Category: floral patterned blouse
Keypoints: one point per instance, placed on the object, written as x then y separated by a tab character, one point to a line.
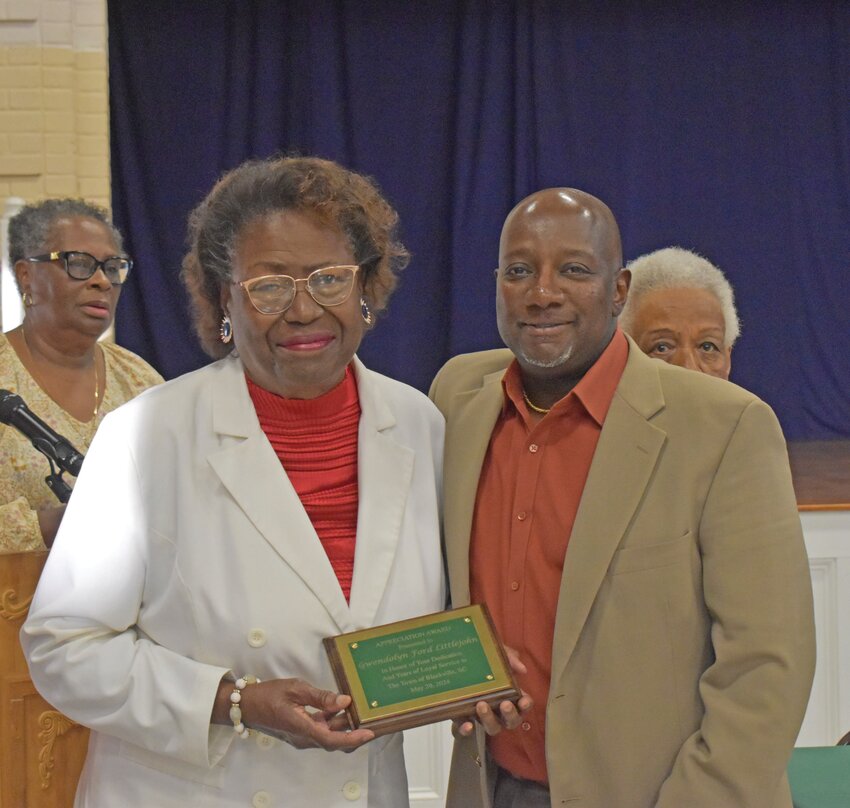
23	469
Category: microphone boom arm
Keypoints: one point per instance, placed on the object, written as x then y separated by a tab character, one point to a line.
59	452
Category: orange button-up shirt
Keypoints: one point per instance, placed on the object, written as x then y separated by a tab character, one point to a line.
528	495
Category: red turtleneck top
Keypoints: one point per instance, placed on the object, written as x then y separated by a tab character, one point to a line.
316	441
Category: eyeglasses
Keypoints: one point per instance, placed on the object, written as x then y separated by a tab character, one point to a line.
273	294
81	265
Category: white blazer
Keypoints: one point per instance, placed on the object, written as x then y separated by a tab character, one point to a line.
185	554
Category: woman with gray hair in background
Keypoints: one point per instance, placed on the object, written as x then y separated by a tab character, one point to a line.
69	266
681	309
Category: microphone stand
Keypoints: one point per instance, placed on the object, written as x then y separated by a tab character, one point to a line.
54	480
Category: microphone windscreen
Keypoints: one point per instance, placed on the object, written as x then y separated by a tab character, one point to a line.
9	402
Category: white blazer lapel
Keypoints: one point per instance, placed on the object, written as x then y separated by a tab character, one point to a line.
385	474
251	472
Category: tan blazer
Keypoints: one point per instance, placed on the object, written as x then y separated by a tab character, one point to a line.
684	650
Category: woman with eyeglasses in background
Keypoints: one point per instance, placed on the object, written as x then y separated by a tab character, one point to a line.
69	266
227	521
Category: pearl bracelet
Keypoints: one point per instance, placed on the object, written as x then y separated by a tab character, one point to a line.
235	698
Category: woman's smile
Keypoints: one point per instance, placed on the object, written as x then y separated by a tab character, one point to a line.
307	342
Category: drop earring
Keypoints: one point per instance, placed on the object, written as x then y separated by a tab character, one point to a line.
27	300
225	330
365	311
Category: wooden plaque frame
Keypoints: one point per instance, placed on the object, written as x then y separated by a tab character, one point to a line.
419	671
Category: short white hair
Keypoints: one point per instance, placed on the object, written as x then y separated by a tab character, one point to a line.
677	268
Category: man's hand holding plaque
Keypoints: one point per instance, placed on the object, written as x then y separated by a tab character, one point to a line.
448	665
507	715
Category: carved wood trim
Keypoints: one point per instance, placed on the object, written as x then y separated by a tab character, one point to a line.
11	608
53	725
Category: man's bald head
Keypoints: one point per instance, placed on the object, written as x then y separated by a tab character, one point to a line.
601	226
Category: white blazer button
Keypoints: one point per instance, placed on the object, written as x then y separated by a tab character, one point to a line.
256	638
351	790
262	799
264	741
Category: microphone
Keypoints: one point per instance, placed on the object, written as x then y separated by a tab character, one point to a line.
14	411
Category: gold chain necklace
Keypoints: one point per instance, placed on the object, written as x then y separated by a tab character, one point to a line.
96	385
534	407
94	363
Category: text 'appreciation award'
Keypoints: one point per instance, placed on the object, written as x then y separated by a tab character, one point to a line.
419	671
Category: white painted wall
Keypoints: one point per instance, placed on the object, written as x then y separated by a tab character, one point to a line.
827	536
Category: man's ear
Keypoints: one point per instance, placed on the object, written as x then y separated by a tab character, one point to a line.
622	281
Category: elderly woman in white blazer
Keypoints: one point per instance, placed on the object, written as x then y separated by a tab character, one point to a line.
193	559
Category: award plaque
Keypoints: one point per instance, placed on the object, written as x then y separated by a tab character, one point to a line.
419	671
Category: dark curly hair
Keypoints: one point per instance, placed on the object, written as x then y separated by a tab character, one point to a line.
257	188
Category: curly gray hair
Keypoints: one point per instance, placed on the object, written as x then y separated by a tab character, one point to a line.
29	228
677	268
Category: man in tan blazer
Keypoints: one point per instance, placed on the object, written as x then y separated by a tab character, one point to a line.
633	529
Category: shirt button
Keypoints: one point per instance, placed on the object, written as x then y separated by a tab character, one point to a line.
264	741
262	799
533	447
351	790
526	726
256	638
521	516
514	585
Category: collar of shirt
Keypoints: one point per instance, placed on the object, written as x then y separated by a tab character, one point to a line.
593	393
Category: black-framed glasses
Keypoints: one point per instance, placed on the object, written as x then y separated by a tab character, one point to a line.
328	286
81	265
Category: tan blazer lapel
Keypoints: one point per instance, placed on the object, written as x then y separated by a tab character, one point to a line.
472	419
249	469
627	452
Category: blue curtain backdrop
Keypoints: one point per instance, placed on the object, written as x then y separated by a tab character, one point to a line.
721	127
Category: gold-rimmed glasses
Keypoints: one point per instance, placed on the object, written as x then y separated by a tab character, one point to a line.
328	286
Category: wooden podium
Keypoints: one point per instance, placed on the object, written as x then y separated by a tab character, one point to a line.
41	751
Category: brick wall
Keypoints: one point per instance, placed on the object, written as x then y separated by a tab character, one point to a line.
54	125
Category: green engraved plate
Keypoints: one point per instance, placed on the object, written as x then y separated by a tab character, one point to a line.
409	665
422	670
